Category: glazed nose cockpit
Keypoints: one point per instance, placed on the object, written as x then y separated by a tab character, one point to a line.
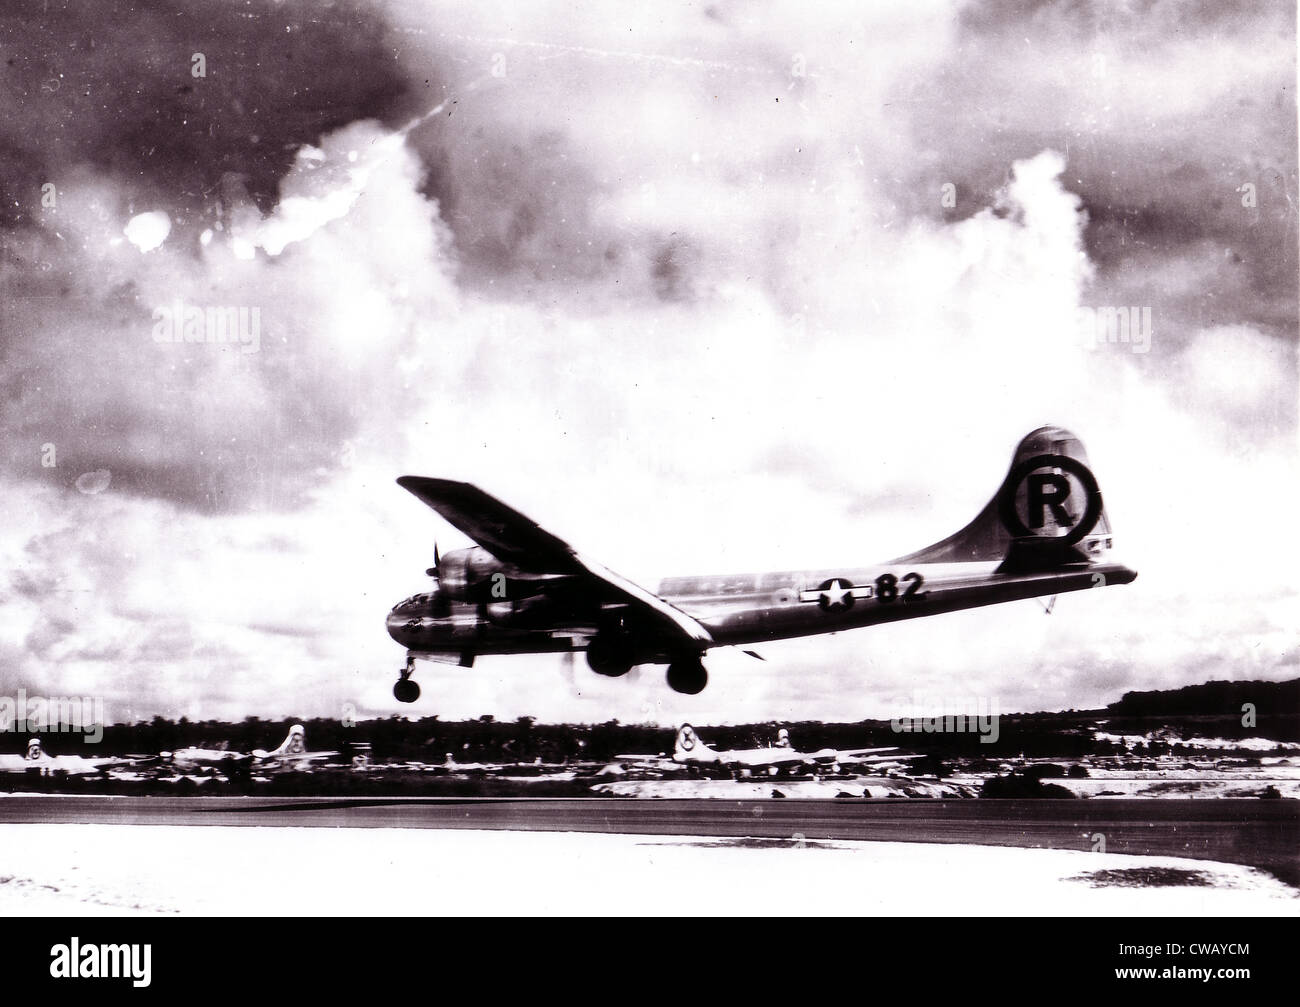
405	615
415	603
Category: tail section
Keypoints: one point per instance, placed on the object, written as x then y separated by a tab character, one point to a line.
295	743
1047	513
688	746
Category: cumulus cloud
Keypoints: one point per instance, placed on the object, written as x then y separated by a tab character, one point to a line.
686	290
148	230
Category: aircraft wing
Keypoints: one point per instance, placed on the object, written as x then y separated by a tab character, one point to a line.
826	756
669	618
513	538
497	527
764	757
299	757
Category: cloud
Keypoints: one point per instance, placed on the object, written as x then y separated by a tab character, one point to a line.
687	292
94	482
148	230
214	426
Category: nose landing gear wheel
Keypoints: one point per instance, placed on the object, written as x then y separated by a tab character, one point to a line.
406	691
688	676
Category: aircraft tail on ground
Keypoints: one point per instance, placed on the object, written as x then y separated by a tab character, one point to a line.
688	745
1047	513
295	743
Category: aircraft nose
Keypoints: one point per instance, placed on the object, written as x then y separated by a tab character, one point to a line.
395	623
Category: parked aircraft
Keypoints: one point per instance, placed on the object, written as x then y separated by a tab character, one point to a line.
690	750
292	752
37	759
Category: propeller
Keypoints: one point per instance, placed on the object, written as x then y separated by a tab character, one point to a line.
441	606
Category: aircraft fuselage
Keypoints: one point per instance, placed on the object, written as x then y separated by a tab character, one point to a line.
737	609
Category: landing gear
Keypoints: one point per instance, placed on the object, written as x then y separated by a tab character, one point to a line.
611	654
687	675
406	690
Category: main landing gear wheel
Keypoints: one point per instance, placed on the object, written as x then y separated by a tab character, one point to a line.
610	654
406	690
688	675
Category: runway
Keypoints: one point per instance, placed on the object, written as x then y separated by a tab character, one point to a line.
1254	833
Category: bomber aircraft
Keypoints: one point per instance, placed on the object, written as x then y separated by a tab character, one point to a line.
292	752
37	759
522	590
690	750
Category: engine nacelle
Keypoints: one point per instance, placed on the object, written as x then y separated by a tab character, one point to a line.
467	574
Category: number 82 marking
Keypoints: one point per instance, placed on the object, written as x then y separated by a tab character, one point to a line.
887	588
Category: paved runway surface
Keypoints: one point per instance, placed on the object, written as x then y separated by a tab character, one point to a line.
1252	832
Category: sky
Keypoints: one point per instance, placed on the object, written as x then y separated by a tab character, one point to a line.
700	288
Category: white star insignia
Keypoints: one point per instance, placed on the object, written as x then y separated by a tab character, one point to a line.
837	594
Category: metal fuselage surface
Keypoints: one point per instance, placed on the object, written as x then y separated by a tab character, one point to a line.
741	609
